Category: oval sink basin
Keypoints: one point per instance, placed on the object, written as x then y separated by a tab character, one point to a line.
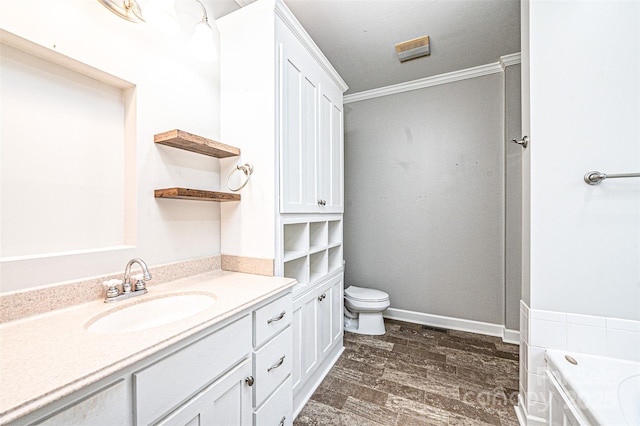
151	313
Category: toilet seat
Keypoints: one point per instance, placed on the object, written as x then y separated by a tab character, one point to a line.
360	294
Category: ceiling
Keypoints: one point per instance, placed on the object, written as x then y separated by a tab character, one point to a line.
359	36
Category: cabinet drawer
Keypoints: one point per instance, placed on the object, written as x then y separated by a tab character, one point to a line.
272	318
272	365
278	409
161	387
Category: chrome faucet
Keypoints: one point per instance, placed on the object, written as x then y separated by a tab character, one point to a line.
128	290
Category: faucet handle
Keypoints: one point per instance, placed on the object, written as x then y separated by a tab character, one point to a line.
112	287
140	284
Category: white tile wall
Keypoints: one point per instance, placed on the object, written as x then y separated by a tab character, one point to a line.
613	337
621	324
535	359
587	339
541	330
537	387
623	344
548	334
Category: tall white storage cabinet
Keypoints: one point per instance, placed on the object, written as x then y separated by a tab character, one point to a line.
281	101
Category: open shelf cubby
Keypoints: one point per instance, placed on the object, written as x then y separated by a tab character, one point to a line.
317	236
297	269
318	265
335	232
311	249
335	258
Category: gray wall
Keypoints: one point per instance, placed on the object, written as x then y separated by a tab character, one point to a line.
513	199
424	198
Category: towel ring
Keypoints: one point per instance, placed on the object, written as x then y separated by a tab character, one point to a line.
247	169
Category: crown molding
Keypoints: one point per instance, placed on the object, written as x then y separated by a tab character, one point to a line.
508	60
422	83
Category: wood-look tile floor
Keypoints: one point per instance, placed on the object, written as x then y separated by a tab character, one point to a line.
415	375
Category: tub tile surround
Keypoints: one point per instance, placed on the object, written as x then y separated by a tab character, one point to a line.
38	300
40	364
540	330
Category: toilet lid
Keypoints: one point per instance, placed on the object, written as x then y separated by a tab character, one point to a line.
365	294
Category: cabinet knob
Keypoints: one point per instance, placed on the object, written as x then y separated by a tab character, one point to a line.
249	380
322	297
322	202
282	421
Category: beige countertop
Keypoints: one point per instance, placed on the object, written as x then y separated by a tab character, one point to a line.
46	357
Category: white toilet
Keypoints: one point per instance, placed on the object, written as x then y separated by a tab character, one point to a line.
363	310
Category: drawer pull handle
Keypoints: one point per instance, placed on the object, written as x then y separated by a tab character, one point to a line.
278	318
322	297
276	365
249	380
282	421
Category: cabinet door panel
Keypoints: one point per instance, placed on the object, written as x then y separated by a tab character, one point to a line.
336	168
324	151
309	144
299	139
305	338
227	401
337	315
292	152
329	314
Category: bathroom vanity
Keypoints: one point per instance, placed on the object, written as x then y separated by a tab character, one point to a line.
230	363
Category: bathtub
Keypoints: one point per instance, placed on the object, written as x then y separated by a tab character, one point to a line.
595	391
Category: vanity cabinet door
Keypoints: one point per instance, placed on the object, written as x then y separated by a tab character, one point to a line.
227	401
329	314
305	338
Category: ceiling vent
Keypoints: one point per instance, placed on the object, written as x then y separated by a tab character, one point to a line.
413	49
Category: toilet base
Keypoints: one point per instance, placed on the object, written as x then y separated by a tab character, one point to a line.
371	323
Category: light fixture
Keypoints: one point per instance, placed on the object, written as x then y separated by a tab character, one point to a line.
202	45
162	15
126	9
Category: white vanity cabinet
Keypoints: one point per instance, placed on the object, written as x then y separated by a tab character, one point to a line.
237	372
318	331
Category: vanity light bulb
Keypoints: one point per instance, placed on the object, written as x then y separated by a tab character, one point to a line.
202	45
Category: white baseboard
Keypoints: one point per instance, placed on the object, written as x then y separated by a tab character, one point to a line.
524	419
509	336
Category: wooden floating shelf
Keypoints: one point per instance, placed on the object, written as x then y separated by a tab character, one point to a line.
194	143
195	194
